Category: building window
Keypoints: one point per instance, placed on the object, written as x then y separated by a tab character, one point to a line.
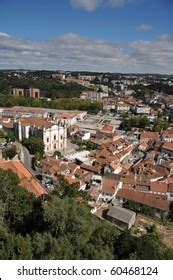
47	148
54	137
61	137
47	139
54	146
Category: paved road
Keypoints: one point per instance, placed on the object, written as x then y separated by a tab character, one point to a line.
26	159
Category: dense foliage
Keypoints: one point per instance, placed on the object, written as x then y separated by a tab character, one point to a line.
34	145
61	227
49	87
137	121
160	125
61	103
9	152
63	95
141	208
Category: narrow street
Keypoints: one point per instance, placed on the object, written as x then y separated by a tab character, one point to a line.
26	158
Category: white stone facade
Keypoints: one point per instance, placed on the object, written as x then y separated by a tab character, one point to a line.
54	136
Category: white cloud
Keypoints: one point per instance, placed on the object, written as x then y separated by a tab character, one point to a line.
144	28
92	5
89	5
74	52
4	34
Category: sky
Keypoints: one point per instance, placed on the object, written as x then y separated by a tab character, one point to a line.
128	36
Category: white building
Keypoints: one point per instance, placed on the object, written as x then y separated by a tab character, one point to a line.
54	136
122	107
142	109
109	188
94	95
84	135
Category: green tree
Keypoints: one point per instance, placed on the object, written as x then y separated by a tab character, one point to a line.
160	125
61	227
2	133
57	153
9	153
10	137
34	145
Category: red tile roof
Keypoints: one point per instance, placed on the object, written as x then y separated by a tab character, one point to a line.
108	128
168	133
38	122
159	187
168	146
27	181
89	168
170	188
149	135
109	185
152	200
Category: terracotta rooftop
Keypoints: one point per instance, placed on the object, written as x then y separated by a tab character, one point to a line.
71	179
66	115
168	146
27	181
156	201
108	128
149	135
159	187
168	133
7	124
89	168
115	165
38	122
170	188
133	180
55	166
109	185
106	134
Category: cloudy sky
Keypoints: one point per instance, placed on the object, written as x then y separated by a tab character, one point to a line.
96	35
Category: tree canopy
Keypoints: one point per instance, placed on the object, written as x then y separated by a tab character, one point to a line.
62	228
34	145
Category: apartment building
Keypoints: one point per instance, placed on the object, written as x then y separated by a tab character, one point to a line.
30	92
94	95
142	109
17	92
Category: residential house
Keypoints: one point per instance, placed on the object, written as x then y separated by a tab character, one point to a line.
167	135
167	148
146	136
109	188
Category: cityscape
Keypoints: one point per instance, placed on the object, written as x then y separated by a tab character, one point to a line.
86	137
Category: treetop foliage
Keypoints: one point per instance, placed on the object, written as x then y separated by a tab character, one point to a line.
61	228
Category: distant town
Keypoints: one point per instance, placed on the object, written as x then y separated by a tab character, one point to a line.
109	136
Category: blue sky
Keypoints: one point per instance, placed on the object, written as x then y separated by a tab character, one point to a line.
96	35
